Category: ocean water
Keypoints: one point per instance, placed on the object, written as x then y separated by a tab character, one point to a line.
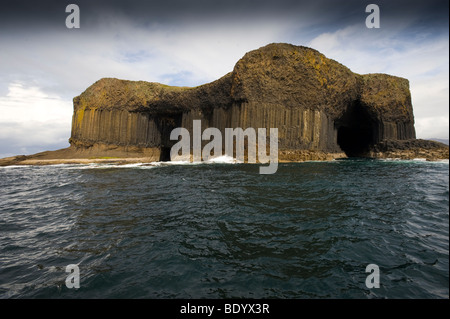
174	230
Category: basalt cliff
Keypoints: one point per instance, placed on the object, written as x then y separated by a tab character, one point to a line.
322	111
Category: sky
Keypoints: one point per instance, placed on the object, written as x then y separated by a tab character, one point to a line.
44	64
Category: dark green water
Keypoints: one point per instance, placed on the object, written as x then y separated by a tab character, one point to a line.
224	231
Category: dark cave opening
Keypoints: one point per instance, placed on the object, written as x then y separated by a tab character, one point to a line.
354	141
356	131
165	154
165	126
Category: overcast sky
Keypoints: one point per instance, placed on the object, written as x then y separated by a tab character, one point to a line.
43	64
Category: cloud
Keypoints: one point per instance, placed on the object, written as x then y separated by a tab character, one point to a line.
31	119
30	104
432	127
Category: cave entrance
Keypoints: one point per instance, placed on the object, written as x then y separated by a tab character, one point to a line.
165	154
165	126
355	131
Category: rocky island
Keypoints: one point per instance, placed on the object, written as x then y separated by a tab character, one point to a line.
321	108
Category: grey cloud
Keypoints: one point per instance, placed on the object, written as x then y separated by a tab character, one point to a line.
45	14
23	139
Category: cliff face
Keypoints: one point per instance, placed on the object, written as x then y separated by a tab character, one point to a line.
321	109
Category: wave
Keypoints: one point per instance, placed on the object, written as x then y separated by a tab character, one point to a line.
224	159
415	160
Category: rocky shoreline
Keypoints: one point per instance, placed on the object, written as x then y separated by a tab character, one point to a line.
410	149
406	150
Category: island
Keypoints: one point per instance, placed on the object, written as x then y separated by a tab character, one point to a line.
322	110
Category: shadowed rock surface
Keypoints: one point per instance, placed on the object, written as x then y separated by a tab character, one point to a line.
322	110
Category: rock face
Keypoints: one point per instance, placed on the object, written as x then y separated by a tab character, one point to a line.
322	109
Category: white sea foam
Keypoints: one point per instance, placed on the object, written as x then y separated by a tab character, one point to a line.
11	166
224	159
444	161
216	160
415	160
179	163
